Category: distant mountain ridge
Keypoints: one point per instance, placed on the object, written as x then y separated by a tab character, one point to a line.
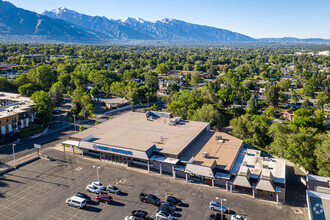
139	29
19	22
67	26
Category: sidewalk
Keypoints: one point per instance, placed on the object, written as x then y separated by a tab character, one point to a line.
4	168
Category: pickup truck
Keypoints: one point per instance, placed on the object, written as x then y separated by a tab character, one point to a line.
149	198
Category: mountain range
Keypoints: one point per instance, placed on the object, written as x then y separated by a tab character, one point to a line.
68	26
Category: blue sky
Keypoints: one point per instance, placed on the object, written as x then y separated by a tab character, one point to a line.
256	18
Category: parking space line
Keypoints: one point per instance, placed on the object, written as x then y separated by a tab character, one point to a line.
55	217
27	199
6	207
6	216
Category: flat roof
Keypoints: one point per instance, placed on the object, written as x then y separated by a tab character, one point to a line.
318	205
258	164
17	104
223	152
133	131
319	178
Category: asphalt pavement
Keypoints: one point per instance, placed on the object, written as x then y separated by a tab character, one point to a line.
39	190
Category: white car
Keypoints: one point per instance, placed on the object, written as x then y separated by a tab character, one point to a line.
99	185
131	218
93	189
237	217
163	215
217	206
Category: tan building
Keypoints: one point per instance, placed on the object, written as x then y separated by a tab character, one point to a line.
187	150
16	112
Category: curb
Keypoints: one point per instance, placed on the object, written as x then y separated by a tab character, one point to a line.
19	165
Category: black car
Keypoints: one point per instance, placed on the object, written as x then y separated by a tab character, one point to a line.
166	210
140	214
173	200
84	196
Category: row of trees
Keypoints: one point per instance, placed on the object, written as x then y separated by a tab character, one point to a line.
303	141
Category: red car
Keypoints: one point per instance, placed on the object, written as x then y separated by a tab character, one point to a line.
104	198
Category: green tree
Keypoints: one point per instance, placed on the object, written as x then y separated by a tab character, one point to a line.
151	82
252	105
43	76
43	106
270	112
285	85
56	92
27	89
208	113
173	87
195	78
162	68
252	129
322	154
272	95
22	80
227	94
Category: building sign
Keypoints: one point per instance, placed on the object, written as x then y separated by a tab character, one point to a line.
113	150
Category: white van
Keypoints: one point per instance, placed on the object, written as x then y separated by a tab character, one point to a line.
76	201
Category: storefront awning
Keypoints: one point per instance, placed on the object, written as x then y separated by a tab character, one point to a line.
225	176
71	142
164	159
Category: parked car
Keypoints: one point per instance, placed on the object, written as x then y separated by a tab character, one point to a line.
104	198
84	196
168	205
237	217
149	198
217	206
174	200
132	218
99	185
140	214
93	189
163	215
113	189
165	209
76	201
216	216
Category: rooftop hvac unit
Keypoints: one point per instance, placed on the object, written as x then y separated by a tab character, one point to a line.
244	163
206	154
175	120
218	137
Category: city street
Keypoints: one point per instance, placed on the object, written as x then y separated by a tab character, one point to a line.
39	190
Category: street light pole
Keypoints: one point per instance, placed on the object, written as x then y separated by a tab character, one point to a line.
13	145
74	122
221	199
97	172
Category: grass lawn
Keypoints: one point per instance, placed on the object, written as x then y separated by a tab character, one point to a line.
33	129
25	132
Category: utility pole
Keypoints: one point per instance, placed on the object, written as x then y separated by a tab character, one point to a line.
97	172
13	145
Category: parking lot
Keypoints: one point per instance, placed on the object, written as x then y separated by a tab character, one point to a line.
38	191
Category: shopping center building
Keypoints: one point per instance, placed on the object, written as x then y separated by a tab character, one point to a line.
159	143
